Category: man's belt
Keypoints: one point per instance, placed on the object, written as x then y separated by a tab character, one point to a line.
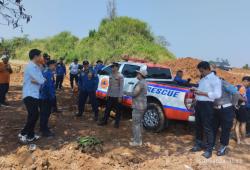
223	106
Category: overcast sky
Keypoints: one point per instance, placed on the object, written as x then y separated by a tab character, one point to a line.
204	29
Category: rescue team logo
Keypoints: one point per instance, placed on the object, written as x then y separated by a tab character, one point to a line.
104	83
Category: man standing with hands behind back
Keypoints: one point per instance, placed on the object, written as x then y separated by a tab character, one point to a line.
5	71
210	88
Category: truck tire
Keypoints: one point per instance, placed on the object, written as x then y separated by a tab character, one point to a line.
154	118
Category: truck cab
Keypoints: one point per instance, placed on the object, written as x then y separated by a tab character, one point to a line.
166	100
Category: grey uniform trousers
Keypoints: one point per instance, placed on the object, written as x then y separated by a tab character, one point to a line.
137	125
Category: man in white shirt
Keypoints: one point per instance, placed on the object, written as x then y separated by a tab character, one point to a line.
74	70
209	89
33	79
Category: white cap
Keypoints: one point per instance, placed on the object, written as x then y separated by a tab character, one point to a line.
143	72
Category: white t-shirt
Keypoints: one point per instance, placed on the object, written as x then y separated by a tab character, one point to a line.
73	68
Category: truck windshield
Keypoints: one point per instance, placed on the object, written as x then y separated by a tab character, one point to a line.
159	73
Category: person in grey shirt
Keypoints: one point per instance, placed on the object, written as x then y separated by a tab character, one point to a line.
114	96
224	115
139	105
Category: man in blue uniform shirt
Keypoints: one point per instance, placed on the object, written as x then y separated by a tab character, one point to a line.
47	95
87	84
248	112
60	73
179	78
99	66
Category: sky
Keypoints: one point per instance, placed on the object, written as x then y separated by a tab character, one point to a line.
204	29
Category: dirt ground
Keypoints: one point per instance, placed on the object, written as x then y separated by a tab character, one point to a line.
166	150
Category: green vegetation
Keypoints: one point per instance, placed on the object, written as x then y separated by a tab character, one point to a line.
113	39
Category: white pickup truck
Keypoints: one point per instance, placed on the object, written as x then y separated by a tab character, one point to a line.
166	99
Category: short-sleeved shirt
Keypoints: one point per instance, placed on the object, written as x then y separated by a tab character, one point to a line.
115	88
4	74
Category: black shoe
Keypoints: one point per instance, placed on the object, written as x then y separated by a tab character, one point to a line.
48	134
116	126
222	150
207	154
196	148
102	123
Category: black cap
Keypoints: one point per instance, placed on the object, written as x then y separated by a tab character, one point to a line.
75	60
51	62
114	64
99	61
85	62
46	56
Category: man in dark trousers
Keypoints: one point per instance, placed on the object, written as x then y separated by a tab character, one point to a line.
60	73
5	71
33	79
47	95
87	84
209	89
74	70
224	114
114	96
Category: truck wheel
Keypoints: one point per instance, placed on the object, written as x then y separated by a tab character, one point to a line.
154	118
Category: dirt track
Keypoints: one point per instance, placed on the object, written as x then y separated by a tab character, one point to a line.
166	150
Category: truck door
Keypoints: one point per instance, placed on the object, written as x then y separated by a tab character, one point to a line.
129	73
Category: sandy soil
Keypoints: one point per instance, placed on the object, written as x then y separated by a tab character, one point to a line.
166	150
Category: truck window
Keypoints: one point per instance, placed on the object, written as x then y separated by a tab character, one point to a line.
129	71
159	73
106	71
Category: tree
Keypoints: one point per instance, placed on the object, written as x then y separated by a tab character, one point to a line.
246	67
12	12
111	9
161	40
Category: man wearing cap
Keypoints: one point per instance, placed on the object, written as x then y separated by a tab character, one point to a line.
99	66
60	73
5	71
87	84
32	82
47	95
114	96
139	105
74	70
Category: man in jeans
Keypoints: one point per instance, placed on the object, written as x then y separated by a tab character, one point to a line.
209	89
5	71
33	79
114	95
